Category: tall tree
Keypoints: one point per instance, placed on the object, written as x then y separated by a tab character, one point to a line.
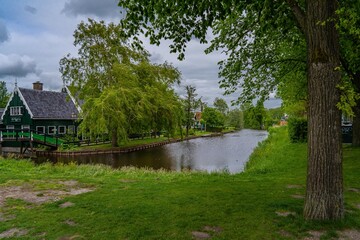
4	95
121	90
213	117
241	23
190	105
221	105
235	118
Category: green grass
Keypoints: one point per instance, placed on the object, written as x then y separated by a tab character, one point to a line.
144	204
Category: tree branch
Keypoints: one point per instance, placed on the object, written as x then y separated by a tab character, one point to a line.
299	14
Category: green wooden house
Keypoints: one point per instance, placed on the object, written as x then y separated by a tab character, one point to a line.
42	112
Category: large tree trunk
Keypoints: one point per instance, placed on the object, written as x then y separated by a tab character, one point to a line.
114	138
324	192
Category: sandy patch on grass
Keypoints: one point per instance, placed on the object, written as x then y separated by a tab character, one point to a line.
28	193
206	232
349	234
14	232
314	235
354	190
298	196
285	213
294	186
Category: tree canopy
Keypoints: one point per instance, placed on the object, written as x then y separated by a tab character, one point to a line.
122	91
248	32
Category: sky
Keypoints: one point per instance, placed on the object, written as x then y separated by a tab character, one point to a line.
36	34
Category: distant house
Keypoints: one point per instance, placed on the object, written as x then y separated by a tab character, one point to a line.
45	112
197	120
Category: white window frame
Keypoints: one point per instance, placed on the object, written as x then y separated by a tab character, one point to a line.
15	111
25	127
54	131
10	127
43	130
64	129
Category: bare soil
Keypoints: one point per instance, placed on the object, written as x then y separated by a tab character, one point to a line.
28	193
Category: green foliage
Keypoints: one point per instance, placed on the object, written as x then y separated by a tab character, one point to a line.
191	103
221	105
123	92
254	116
213	117
297	129
235	118
4	95
349	97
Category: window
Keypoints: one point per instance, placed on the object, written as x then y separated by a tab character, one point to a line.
40	129
62	129
10	127
15	111
51	130
10	130
25	127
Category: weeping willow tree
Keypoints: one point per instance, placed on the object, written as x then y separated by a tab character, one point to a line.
122	92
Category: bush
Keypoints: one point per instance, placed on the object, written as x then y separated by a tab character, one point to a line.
297	129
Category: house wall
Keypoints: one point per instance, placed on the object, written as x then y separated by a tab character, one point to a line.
19	120
24	119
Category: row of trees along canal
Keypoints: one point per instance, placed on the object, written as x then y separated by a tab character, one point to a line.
272	44
124	94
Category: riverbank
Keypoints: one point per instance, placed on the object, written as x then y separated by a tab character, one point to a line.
97	202
131	146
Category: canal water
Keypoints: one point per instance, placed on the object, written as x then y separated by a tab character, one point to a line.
229	152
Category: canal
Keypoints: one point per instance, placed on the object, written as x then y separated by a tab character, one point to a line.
229	152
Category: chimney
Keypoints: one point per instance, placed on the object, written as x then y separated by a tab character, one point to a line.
38	86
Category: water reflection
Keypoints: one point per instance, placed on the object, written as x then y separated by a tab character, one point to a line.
229	152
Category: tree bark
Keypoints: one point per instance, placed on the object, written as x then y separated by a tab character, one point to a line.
114	138
324	192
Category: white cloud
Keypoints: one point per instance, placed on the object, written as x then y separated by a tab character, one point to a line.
17	66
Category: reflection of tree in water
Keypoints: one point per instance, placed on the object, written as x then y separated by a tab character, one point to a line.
210	154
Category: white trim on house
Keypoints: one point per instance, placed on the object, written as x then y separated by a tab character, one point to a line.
51	133
73	100
25	103
16	111
22	99
61	132
43	129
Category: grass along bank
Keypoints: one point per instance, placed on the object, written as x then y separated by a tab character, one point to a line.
264	202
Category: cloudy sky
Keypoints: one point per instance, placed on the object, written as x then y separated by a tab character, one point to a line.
36	34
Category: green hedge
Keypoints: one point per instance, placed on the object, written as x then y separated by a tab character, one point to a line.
297	129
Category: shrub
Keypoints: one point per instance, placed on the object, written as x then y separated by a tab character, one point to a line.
297	129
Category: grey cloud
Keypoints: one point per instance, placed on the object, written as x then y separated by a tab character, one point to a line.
30	9
4	34
17	66
104	8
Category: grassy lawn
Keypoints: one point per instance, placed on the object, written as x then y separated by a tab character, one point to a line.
265	202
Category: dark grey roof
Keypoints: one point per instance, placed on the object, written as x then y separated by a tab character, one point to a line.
49	105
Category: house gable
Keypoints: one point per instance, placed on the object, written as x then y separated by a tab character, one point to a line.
16	112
